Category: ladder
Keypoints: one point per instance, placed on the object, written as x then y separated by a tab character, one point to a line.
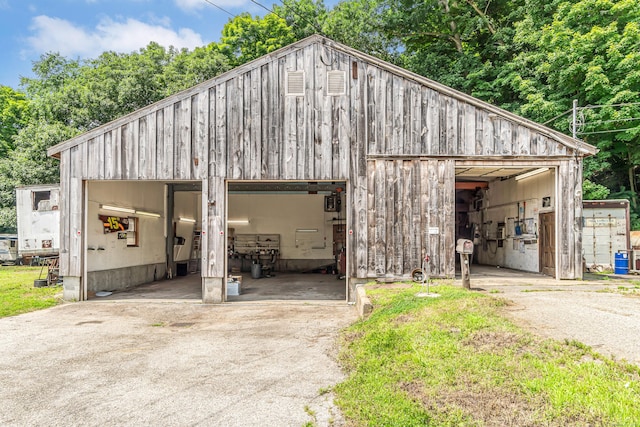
196	253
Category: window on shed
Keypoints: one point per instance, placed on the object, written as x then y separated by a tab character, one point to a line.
295	83
41	200
336	82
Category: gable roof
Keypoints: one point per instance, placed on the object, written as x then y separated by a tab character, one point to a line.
571	143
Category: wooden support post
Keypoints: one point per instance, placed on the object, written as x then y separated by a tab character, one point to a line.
464	266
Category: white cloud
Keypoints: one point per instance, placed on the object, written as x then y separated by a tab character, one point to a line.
188	5
58	35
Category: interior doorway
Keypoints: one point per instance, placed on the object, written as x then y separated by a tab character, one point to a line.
548	244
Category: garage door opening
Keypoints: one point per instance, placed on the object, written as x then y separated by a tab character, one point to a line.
286	240
143	240
504	209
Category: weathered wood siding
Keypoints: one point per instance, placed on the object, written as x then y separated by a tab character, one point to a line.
411	209
569	219
391	136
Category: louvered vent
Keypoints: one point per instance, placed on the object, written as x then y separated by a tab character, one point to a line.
336	82
295	83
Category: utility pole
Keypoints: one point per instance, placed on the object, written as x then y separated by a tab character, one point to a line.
574	125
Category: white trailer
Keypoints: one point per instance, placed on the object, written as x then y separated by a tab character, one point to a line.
38	220
8	248
605	232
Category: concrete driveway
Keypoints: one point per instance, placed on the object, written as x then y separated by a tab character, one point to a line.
600	311
106	363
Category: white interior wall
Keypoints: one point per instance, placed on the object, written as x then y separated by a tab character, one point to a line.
187	204
283	214
106	251
500	204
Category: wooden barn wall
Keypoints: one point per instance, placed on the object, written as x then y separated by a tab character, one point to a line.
408	201
569	219
242	126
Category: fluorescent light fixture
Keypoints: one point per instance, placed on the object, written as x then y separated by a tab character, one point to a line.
306	230
183	219
531	173
117	209
145	213
238	221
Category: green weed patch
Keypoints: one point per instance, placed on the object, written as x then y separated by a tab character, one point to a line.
18	295
457	360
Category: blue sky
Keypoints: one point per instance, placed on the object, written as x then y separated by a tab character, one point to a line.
82	29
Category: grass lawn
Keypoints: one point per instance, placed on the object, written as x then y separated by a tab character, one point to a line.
18	295
457	360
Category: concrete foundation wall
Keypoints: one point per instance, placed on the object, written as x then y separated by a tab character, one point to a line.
71	288
282	265
213	290
123	278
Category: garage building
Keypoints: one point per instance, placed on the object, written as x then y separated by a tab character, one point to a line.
314	151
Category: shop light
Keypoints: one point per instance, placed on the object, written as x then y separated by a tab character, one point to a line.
190	220
117	209
145	213
238	221
531	173
306	230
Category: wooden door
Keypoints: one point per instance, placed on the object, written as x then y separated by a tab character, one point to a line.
548	244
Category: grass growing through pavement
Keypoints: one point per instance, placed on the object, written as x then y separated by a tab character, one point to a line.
456	360
18	295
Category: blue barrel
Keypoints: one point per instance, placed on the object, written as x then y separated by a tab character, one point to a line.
621	263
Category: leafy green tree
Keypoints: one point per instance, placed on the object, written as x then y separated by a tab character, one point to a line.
29	164
188	69
14	115
245	38
305	17
363	25
589	52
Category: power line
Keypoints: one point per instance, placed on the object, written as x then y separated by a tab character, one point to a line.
607	131
599	122
274	12
314	25
626	104
224	10
558	116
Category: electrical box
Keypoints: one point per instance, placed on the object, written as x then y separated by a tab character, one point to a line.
464	246
332	203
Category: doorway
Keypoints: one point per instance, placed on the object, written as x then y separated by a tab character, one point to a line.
548	243
286	240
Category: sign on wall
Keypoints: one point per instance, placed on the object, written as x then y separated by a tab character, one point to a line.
114	224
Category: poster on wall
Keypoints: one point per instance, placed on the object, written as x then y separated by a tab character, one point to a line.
114	224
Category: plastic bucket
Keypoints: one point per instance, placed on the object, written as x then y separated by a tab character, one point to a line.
621	263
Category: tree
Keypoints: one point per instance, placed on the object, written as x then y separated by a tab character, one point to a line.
245	38
588	52
305	17
29	164
14	115
362	24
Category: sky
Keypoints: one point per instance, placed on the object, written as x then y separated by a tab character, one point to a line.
81	29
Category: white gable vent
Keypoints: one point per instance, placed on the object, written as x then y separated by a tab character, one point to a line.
336	82
295	83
